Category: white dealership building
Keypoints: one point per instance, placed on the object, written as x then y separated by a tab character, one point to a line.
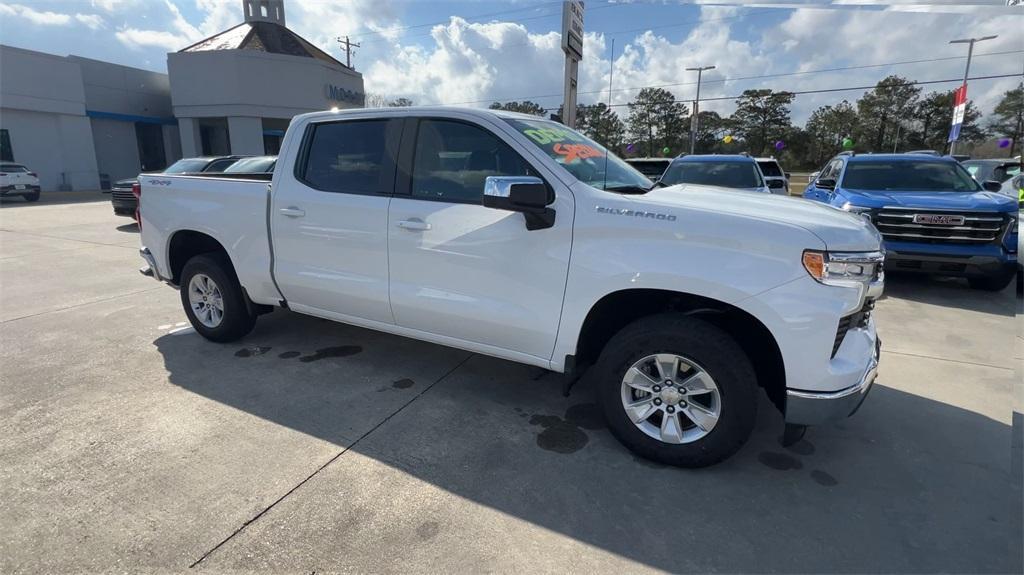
81	123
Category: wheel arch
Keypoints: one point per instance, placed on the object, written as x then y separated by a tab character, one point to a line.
618	309
186	244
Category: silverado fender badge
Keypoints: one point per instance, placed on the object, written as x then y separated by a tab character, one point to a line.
636	213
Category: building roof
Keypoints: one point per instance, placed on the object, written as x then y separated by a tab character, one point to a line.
264	37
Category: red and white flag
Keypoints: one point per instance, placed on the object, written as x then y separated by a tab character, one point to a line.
959	109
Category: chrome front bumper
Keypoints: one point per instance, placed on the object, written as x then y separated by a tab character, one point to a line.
813	407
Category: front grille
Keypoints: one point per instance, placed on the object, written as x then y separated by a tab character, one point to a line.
122	194
897	224
856	319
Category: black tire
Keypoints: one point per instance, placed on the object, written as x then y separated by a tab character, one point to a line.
992	283
33	197
237	321
697	341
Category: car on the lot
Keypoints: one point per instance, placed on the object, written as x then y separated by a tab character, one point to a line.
253	165
653	168
774	176
996	170
516	237
732	171
124	201
17	180
934	216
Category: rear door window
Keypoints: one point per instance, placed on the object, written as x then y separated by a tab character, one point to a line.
12	168
349	157
219	165
770	169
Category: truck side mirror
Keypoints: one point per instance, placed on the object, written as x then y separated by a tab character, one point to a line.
788	175
992	186
528	195
776	184
826	184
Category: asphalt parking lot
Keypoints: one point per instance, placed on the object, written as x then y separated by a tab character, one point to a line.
128	443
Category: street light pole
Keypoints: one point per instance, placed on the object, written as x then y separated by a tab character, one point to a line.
967	70
694	120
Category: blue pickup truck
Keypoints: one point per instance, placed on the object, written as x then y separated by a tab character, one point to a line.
935	218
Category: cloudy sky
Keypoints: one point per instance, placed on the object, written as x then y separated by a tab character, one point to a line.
472	53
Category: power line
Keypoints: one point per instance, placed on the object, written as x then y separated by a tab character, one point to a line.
743	78
850	89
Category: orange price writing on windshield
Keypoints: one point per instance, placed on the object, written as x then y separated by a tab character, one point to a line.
573	152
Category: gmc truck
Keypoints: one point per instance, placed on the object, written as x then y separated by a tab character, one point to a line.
516	237
935	218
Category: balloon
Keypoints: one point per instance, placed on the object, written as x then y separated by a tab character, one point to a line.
847	143
727	139
665	150
779	145
629	148
1004	143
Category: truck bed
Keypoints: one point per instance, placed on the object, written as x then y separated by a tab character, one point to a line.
231	210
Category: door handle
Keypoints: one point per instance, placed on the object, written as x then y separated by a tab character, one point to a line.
413	225
293	212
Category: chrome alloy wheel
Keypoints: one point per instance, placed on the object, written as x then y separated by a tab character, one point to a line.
671	398
206	300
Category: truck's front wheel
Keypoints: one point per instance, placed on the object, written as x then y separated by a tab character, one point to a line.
677	390
213	299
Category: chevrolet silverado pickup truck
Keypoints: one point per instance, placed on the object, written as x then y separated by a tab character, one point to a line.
935	218
516	237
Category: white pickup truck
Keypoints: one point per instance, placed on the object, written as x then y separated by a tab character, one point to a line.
516	237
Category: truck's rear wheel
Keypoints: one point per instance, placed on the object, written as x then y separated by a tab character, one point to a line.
677	390
213	299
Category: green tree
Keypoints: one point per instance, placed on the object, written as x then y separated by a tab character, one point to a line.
934	114
1007	120
761	117
892	103
401	103
710	130
656	121
826	128
602	125
524	107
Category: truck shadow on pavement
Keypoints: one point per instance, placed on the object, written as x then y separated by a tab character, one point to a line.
908	484
949	292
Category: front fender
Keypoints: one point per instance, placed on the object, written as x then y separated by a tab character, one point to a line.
721	257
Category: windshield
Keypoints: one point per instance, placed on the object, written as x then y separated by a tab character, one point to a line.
723	174
908	176
585	159
770	169
251	166
187	165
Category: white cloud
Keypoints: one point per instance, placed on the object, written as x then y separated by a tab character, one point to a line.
135	39
111	5
49	18
93	21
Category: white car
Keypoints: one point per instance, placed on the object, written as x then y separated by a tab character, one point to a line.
776	179
515	237
17	180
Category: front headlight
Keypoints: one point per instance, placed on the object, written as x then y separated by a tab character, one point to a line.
844	269
859	210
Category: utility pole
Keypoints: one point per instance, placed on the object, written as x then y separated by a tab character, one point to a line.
694	121
349	52
963	87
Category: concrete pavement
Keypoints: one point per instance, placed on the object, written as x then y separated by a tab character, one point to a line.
128	443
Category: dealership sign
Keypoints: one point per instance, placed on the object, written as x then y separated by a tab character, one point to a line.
572	28
344	96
